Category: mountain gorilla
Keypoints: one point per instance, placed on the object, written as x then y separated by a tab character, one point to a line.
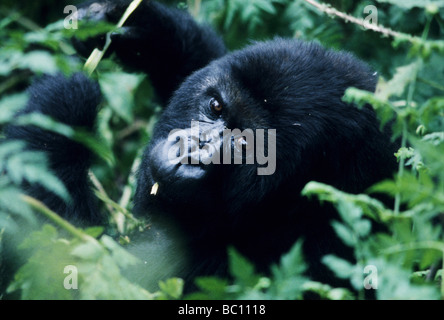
284	97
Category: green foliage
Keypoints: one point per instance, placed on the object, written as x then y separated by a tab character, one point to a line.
402	238
98	264
409	4
17	166
286	282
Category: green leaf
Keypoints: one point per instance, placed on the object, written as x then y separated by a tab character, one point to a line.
345	234
9	105
342	268
45	237
42	276
327	292
119	89
39	61
397	85
172	287
292	263
87	29
11	203
94	232
288	276
88	251
394	284
212	287
21	164
241	269
429	257
122	257
409	4
77	134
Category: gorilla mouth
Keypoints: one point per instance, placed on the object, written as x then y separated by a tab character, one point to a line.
190	171
172	174
187	156
195	149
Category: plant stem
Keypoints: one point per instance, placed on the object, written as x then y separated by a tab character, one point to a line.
431	83
128	190
14	16
346	17
97	55
423	245
101	191
409	102
401	166
55	218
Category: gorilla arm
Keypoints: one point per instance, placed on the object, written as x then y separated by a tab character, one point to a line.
164	42
73	101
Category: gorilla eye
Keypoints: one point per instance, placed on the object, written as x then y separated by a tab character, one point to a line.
215	105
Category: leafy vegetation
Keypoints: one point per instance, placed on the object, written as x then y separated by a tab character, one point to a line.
405	257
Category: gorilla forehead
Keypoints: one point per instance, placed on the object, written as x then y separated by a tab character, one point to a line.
280	81
294	69
264	67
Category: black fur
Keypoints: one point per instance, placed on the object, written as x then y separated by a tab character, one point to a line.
287	85
295	88
73	101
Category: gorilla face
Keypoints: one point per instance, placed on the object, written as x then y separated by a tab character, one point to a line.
212	137
259	124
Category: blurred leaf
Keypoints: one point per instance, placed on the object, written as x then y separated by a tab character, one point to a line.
9	105
172	287
212	288
327	292
119	91
409	4
394	284
241	269
346	234
42	276
288	276
77	134
120	255
30	166
397	85
39	61
88	251
292	263
342	268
